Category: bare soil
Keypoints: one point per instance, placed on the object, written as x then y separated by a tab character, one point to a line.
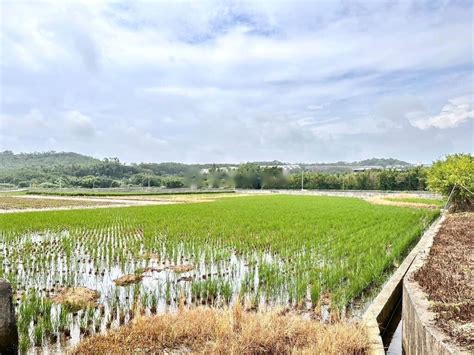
448	278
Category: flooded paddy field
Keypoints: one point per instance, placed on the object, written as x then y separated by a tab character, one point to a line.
80	272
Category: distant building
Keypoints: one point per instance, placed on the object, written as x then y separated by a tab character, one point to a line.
224	168
378	167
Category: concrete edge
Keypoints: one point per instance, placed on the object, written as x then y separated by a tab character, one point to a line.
8	328
419	334
380	310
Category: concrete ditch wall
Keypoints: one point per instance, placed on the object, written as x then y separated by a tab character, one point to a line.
8	330
378	315
419	335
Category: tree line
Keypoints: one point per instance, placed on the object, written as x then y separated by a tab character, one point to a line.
110	173
53	170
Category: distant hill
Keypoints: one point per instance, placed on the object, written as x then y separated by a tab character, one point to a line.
382	162
67	169
10	160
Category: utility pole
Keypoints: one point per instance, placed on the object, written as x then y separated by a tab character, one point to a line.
148	182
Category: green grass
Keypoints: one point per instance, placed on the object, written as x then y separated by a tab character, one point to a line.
12	193
424	201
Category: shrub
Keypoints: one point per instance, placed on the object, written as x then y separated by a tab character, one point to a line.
174	183
24	184
455	172
48	185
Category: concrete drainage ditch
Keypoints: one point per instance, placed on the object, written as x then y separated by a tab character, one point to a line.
384	314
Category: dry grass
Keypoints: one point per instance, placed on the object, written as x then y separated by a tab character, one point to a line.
76	298
447	278
128	279
177	198
229	331
21	203
403	201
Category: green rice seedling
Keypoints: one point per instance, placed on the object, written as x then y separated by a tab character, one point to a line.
144	297
63	319
38	333
315	293
225	290
24	343
153	303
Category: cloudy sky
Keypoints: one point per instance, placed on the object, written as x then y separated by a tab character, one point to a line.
220	81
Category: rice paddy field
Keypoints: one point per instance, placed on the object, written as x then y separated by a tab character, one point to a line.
80	272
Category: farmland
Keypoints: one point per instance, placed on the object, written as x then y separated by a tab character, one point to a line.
297	252
423	201
20	203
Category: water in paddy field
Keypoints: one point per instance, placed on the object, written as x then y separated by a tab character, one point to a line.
41	266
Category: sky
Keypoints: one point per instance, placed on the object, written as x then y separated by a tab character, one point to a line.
224	81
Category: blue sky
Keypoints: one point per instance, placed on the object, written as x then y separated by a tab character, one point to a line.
214	81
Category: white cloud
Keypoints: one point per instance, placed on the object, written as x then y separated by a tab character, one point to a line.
248	80
339	128
315	107
456	112
191	92
80	124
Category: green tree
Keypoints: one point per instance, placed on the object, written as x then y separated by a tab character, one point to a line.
248	176
273	178
455	172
